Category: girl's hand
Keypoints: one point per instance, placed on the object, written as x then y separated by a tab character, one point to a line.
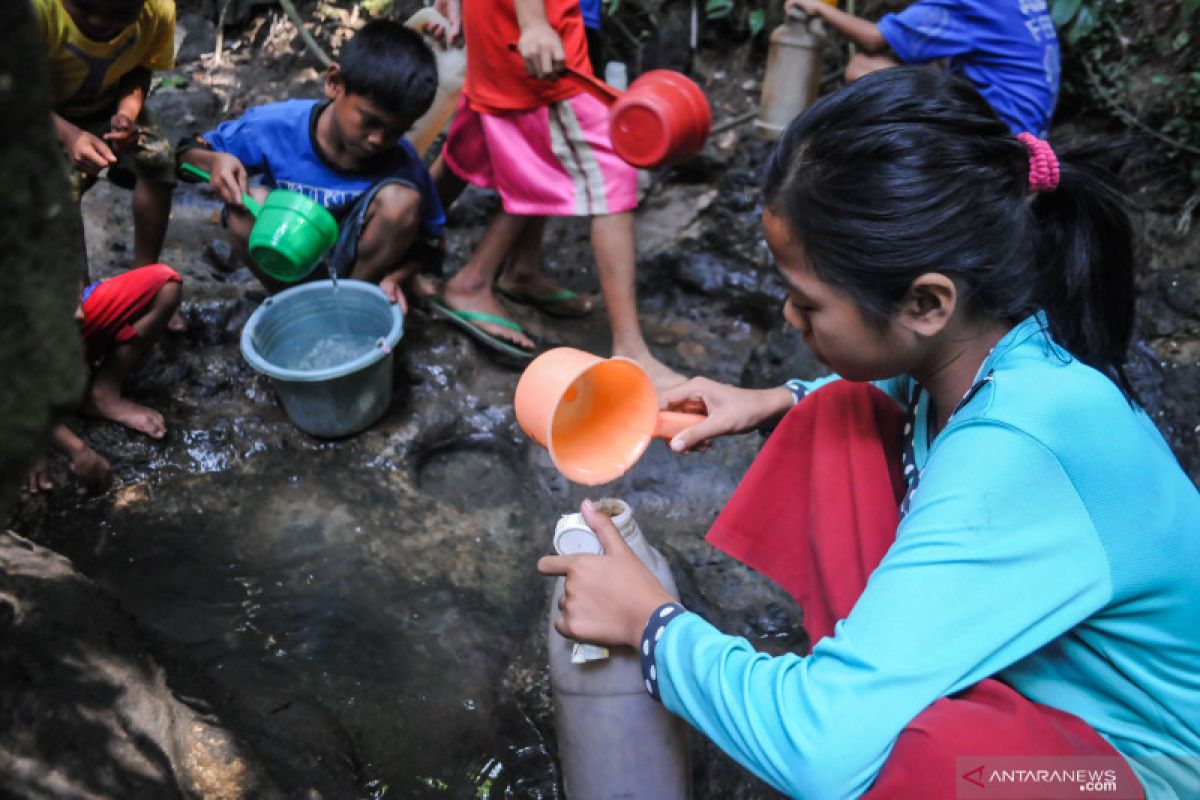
229	178
543	51
729	409
607	599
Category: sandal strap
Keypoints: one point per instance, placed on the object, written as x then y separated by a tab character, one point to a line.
483	316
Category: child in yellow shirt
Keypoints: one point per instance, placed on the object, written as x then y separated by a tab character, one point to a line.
101	54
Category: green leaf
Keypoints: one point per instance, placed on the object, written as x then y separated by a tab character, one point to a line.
1085	23
757	20
1160	80
1186	9
1062	11
1181	40
717	9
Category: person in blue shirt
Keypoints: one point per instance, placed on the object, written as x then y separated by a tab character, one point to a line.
347	153
1048	541
1007	48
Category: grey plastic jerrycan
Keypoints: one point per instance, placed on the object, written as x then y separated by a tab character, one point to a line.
793	77
614	740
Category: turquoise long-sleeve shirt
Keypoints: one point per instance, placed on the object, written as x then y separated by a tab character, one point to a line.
1052	541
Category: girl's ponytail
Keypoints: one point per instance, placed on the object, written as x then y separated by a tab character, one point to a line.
1085	266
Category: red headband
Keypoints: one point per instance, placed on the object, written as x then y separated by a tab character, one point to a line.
1043	164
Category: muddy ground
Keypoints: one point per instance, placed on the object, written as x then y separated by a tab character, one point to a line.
361	618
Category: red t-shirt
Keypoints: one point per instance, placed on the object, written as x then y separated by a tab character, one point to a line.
496	78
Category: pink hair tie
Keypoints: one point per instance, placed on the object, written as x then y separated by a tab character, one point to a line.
1043	164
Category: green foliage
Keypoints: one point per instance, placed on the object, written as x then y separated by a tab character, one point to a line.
1136	60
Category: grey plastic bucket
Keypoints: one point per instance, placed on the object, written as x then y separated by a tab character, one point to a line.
338	400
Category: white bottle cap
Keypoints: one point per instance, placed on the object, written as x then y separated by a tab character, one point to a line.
616	76
572	536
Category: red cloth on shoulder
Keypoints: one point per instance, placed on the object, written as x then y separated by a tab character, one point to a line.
817	509
816	512
496	78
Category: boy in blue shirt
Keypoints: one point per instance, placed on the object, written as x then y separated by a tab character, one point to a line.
348	154
1007	48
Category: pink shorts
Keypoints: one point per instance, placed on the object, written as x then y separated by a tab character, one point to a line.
552	161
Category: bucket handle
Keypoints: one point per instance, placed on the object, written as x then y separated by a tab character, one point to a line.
589	83
252	205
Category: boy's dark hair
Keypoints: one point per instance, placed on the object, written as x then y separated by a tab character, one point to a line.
909	170
392	66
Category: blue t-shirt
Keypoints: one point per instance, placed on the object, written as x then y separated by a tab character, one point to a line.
1007	48
278	141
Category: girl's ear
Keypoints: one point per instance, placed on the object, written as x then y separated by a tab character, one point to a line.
929	304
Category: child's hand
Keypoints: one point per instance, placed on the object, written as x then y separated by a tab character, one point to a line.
607	599
729	409
452	11
391	287
543	51
229	178
810	7
92	470
88	152
122	131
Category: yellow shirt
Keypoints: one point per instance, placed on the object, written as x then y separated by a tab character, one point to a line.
83	73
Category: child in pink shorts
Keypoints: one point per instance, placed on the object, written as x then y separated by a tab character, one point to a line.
543	146
119	318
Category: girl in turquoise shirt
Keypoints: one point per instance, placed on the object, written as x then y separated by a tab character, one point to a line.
1048	545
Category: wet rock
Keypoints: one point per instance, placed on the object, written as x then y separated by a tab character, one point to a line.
186	111
781	357
195	35
86	711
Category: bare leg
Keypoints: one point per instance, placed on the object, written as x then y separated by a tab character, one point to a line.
104	394
523	274
449	186
151	213
471	287
240	223
393	219
863	64
613	247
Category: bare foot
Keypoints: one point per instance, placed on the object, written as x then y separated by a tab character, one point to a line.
660	374
485	302
539	289
128	413
38	479
177	324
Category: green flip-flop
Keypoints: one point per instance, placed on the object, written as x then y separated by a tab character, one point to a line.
467	322
552	304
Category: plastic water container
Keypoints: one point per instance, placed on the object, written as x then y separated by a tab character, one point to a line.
616	75
793	77
452	73
614	740
336	400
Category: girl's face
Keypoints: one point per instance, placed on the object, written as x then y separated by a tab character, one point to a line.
835	328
